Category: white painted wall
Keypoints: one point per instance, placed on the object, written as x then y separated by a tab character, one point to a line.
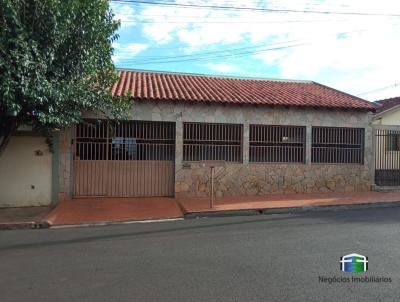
391	117
25	178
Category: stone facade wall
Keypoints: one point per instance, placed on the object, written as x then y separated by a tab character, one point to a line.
251	178
259	179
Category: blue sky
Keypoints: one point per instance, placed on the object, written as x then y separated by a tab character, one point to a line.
358	54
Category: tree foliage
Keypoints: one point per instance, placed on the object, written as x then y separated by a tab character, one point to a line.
55	62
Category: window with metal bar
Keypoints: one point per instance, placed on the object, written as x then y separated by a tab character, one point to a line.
127	140
277	144
90	140
337	145
205	141
393	140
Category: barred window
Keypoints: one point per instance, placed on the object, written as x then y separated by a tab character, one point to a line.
393	140
90	140
204	141
128	140
274	144
337	145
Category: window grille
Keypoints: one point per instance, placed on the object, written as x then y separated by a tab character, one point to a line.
337	145
205	141
274	144
127	140
393	140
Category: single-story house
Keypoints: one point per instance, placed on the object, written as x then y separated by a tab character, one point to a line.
263	135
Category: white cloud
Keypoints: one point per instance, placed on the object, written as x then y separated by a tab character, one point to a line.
349	52
124	13
128	51
135	48
195	27
162	23
366	58
223	67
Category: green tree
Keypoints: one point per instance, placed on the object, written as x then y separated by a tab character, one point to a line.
55	61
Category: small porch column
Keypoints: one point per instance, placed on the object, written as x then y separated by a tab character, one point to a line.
178	145
246	135
65	164
308	144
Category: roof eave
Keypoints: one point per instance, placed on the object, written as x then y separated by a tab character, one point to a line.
394	108
139	99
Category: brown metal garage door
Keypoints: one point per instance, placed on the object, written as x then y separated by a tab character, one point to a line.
124	159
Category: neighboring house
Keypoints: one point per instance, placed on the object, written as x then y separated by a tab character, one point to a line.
387	112
268	136
386	121
26	171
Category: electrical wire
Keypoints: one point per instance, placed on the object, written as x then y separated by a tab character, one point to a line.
228	22
219	51
235	52
380	89
225	7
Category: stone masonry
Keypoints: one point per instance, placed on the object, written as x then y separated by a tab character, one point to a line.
251	178
256	179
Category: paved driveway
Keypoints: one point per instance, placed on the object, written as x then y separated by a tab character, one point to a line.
102	209
258	258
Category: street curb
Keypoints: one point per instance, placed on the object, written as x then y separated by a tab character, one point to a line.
191	215
290	210
24	225
109	223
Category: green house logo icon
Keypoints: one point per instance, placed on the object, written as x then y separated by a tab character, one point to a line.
354	263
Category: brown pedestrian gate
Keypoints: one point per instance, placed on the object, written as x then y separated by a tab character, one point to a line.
124	159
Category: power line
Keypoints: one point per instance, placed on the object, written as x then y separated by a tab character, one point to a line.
212	55
380	89
227	22
223	17
177	59
318	5
192	16
216	52
201	57
216	57
223	7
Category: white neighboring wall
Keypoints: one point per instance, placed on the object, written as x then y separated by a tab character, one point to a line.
25	172
389	117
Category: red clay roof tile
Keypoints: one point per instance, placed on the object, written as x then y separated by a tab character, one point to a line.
163	86
387	104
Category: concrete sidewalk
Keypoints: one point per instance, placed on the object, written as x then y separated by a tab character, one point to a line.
285	203
112	210
107	210
23	218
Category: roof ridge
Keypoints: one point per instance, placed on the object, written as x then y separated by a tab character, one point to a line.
388	99
215	75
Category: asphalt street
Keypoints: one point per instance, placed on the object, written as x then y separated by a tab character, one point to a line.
253	258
